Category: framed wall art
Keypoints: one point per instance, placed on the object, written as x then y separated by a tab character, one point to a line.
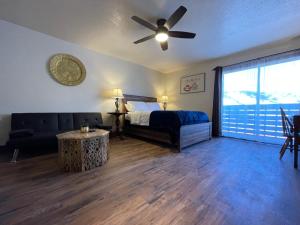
192	83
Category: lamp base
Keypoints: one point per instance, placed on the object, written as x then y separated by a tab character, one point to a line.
165	106
117	104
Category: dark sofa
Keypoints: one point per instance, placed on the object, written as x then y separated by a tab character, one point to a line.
38	130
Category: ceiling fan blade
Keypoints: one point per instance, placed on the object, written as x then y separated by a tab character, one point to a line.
181	34
176	16
144	23
144	39
164	45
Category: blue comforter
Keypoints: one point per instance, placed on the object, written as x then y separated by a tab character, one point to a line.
173	120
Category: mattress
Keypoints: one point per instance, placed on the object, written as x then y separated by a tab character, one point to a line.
163	119
166	121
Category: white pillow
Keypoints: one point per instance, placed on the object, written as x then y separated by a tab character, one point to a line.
129	107
153	106
137	106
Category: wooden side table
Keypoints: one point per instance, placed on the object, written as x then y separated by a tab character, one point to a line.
82	151
117	122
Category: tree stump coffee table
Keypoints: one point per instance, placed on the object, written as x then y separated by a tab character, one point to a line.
82	151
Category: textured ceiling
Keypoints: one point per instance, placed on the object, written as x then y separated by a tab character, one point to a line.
223	27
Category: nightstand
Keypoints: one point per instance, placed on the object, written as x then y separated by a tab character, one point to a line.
117	122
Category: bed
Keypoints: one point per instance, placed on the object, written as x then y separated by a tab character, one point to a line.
179	129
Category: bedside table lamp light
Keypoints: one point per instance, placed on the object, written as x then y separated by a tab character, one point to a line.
164	100
117	94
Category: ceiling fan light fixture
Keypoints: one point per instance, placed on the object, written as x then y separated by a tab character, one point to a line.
162	28
161	37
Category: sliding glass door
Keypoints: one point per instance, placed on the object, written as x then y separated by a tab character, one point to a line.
253	93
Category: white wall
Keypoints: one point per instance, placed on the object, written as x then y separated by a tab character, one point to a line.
26	86
204	101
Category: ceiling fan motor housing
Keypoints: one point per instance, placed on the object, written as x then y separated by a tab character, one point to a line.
161	26
162	30
161	22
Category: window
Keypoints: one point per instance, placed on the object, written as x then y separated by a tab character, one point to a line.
254	91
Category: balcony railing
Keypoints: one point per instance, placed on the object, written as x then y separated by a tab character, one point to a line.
256	122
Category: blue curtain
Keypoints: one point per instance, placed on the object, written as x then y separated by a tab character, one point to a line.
216	114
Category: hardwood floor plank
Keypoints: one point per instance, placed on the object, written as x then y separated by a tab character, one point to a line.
223	181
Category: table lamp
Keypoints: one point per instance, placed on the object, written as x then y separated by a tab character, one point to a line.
117	94
164	100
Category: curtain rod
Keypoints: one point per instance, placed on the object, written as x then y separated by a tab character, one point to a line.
260	58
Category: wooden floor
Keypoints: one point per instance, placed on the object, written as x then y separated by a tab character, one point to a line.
223	181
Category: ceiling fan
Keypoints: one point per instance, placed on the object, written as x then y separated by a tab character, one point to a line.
162	30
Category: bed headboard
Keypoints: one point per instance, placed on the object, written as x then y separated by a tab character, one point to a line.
138	98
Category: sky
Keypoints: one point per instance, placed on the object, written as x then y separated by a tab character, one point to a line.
279	84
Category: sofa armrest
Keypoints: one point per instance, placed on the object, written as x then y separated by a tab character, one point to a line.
21	133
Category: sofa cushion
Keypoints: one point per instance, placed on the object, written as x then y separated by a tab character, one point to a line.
65	121
39	122
43	140
21	133
104	127
91	119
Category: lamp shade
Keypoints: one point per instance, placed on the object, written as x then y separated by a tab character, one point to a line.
164	98
117	93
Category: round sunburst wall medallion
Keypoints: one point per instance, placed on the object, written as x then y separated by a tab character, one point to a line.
67	69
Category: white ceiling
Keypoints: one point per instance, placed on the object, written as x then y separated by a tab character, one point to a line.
223	27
